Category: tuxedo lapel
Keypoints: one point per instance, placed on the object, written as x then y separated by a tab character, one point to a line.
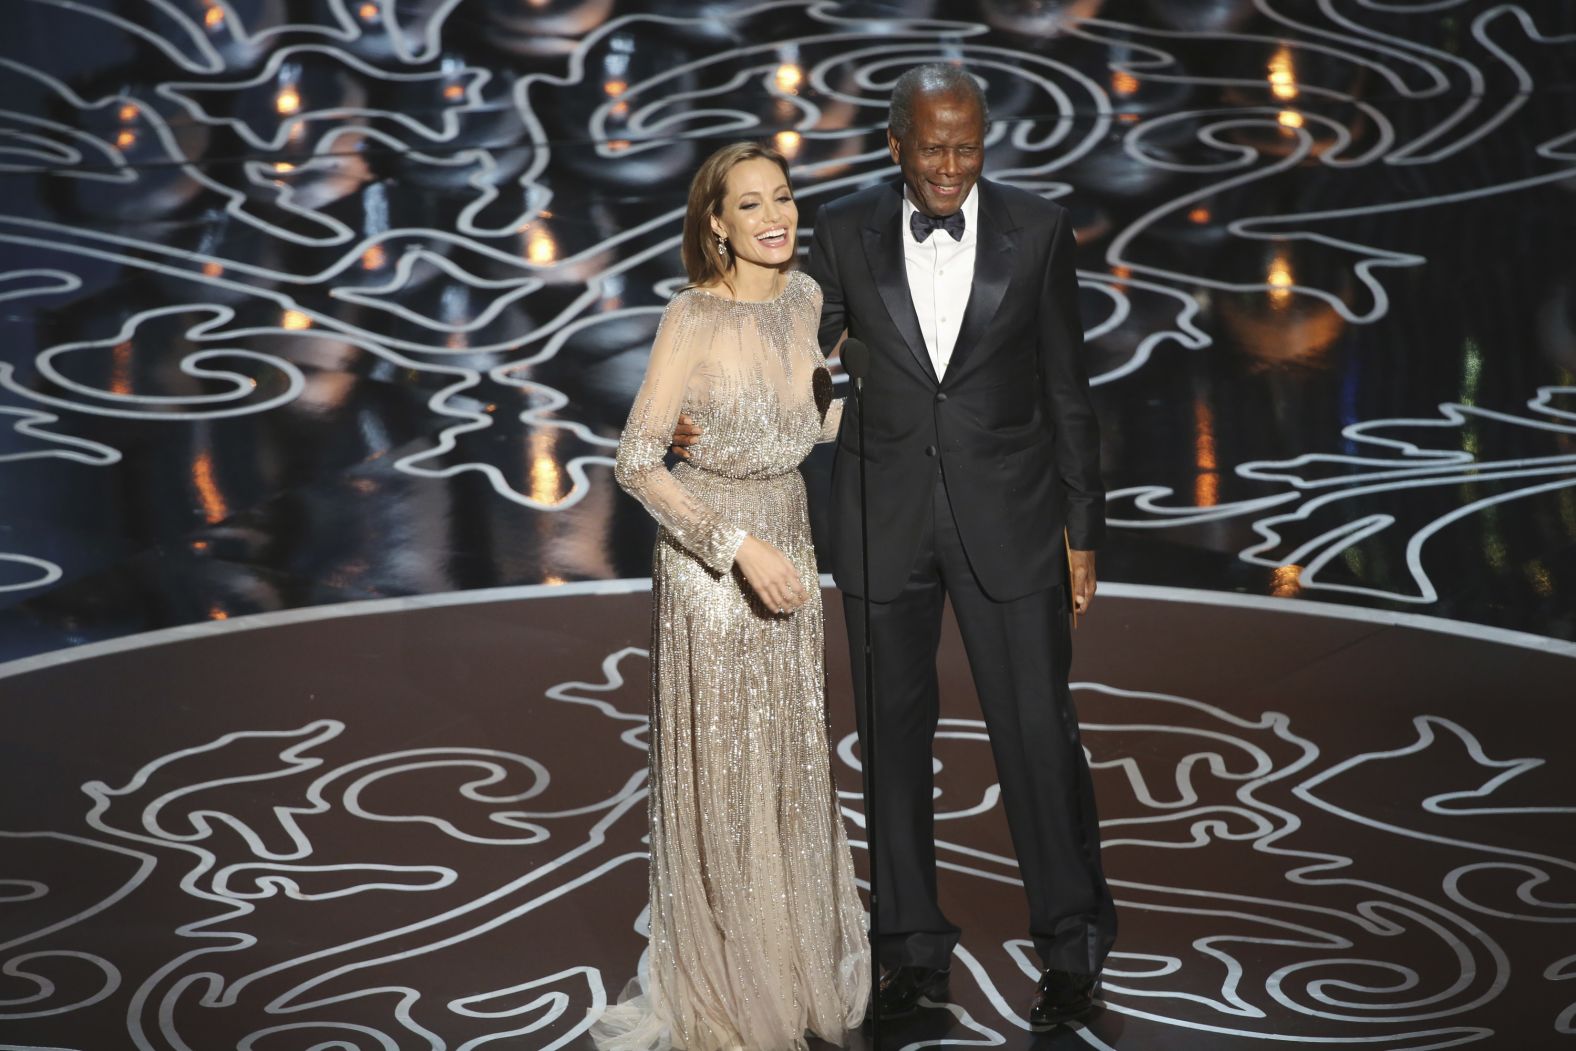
883	240
996	241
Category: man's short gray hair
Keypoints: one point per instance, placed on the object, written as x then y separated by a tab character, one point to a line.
935	78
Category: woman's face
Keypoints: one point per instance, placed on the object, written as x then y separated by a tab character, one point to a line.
758	218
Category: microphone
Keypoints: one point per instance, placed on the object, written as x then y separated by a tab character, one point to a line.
856	362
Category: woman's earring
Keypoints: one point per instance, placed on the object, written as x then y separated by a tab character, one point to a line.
722	246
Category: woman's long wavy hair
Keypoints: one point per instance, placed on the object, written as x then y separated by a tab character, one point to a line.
702	262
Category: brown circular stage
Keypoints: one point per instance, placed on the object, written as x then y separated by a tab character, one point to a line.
420	823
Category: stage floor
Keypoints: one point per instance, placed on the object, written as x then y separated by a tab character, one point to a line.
322	622
427	816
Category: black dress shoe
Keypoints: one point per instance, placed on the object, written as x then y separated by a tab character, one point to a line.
1062	997
902	988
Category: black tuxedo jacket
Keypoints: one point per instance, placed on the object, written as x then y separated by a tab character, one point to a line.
1010	425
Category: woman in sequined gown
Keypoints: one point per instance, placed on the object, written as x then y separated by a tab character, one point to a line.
757	931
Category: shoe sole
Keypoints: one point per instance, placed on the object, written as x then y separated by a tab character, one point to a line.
941	992
1081	1014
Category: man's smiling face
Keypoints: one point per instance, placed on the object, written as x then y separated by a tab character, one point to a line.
943	152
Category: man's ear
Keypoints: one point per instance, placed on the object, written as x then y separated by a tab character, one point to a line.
894	147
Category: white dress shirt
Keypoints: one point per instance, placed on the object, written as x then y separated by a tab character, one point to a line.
940	277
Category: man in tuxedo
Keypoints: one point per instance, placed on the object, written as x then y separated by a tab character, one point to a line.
982	454
983	449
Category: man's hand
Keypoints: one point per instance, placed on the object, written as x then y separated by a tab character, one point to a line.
1080	566
685	434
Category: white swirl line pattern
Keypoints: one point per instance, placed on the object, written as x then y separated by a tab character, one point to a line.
511	184
1409	467
1233	788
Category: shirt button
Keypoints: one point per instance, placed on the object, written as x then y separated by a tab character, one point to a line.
930	450
941	396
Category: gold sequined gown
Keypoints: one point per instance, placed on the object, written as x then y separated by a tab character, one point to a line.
757	930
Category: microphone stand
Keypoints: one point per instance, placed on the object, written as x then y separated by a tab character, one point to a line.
856	363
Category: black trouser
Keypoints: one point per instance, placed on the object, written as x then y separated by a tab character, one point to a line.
1019	653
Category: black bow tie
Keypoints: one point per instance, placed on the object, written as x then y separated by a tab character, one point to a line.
922	225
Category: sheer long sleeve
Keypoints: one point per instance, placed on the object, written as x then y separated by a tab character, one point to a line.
681	344
832	420
831	408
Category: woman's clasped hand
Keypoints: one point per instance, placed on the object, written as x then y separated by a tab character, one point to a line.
770	575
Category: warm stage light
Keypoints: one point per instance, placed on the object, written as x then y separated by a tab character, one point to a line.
295	321
368	12
787	143
1290	118
214	508
288	101
1123	82
1286	580
1206	478
1199	215
789	77
1282	77
212	269
126	139
374	258
128	113
615	88
1280	281
120	376
540	248
546	476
